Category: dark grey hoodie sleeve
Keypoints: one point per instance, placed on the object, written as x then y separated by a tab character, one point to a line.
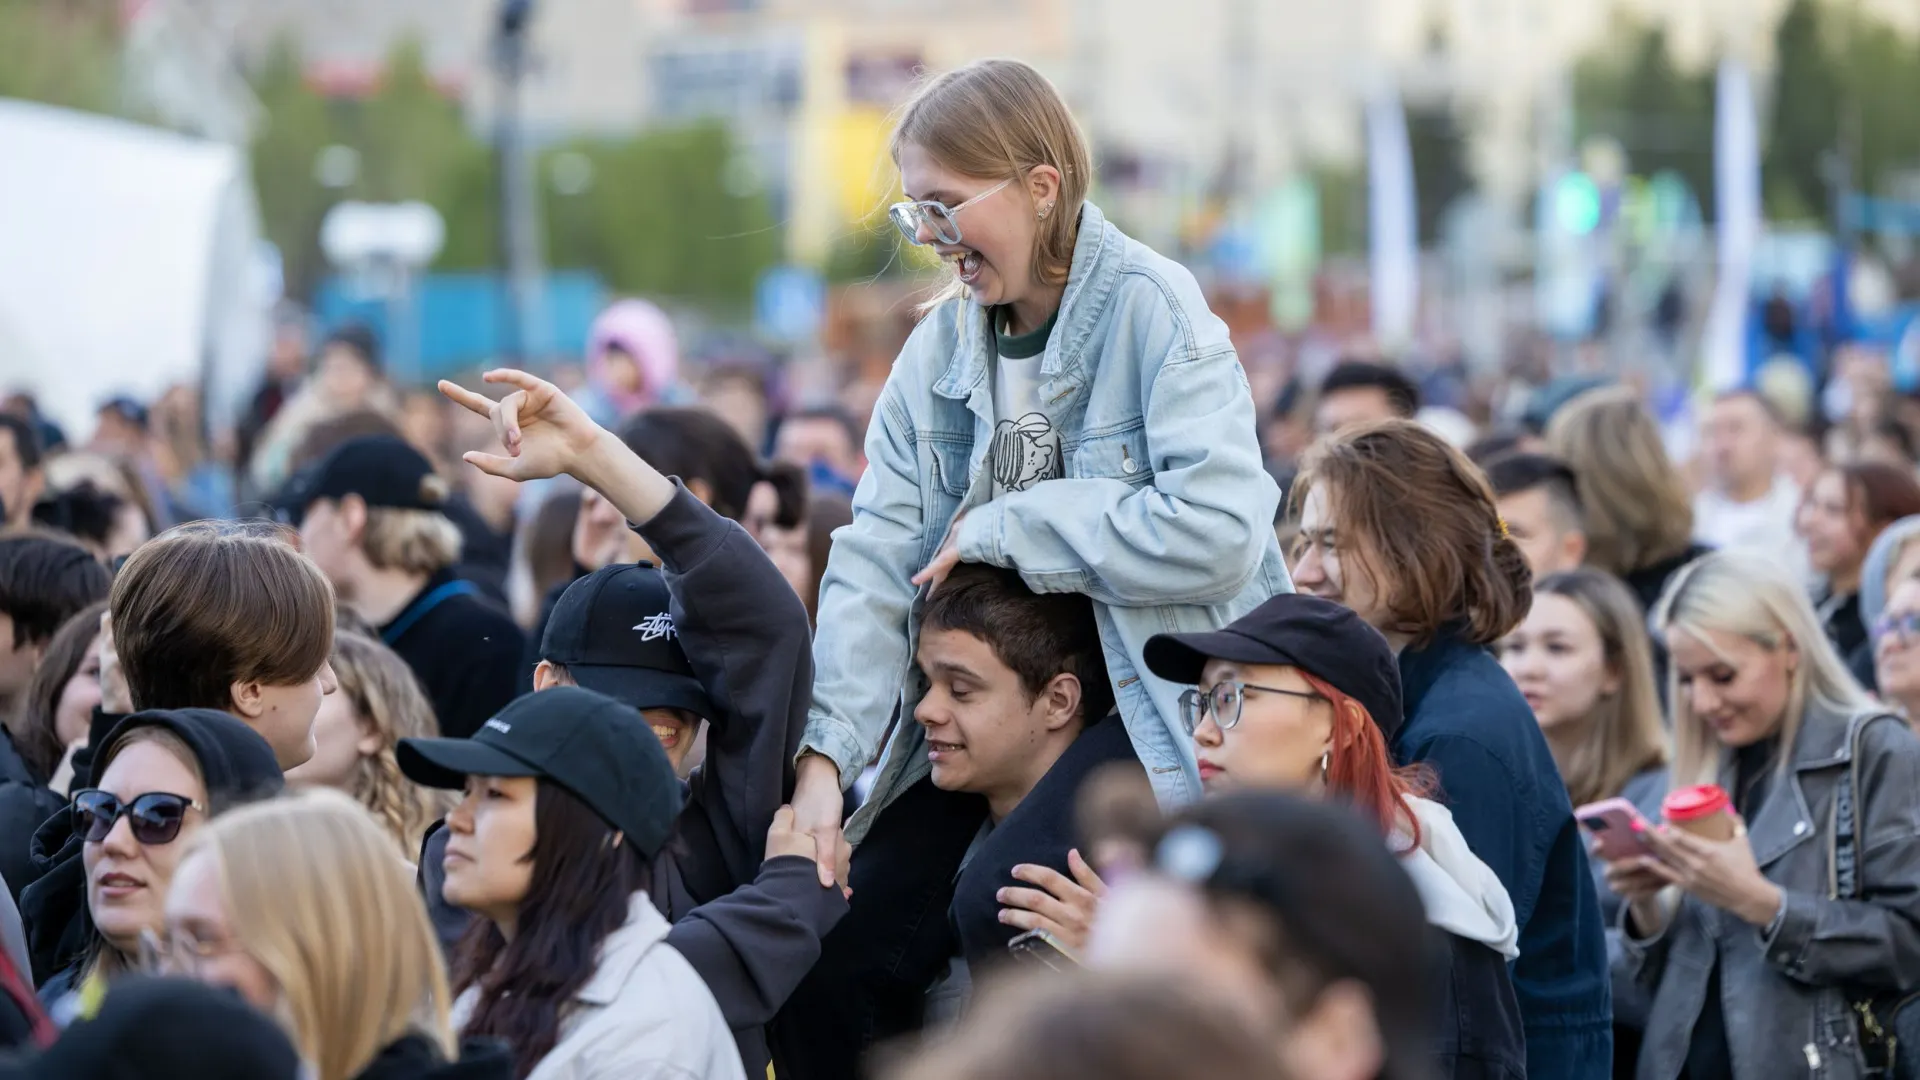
747	637
754	945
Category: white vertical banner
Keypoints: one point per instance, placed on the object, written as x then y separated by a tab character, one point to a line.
1392	227
1736	182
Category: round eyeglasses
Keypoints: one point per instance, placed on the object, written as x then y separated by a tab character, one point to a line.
940	220
1224	700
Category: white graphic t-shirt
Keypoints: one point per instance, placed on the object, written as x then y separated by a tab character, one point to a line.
1026	446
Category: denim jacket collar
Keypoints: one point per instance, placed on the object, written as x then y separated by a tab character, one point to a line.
1090	283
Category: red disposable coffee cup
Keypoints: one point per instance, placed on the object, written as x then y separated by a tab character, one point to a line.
1703	810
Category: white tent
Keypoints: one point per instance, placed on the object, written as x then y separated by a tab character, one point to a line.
128	263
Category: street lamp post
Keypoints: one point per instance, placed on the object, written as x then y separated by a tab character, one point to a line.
521	325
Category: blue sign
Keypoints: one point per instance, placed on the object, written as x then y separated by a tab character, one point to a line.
789	303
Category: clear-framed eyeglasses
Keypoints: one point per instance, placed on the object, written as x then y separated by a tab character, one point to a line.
178	952
940	220
1224	700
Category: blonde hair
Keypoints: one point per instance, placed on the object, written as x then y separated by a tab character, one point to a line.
1756	598
999	120
384	694
1637	509
315	895
1624	732
414	541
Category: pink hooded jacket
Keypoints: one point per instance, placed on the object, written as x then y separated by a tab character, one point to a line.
643	331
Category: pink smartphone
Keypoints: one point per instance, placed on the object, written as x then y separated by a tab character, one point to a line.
1616	827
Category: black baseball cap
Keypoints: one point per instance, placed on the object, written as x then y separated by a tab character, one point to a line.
384	470
614	632
165	1029
599	749
1320	637
1345	906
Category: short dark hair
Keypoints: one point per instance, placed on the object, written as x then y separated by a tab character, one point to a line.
837	414
85	510
1038	635
1515	473
1363	374
44	582
360	339
26	439
695	444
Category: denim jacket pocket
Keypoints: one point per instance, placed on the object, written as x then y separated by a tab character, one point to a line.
1116	452
947	458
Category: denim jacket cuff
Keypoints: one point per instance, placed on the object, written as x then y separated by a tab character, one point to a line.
834	740
980	532
1786	947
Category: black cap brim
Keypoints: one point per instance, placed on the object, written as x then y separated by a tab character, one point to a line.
446	763
644	688
1181	658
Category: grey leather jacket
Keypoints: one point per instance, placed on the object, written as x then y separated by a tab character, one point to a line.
1786	994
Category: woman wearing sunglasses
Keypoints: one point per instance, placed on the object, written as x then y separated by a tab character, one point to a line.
1301	696
162	774
1069	408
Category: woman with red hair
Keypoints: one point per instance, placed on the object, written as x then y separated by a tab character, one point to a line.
1302	695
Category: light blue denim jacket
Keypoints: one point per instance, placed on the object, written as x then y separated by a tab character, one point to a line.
1164	516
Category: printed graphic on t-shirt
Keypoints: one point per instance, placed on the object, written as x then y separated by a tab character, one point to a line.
1025	452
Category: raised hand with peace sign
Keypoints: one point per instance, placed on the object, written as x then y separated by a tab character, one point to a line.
545	433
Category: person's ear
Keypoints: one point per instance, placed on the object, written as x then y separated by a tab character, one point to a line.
1061	699
1339	1038
1043	187
547	675
369	743
701	490
249	699
36	484
1573	547
353	517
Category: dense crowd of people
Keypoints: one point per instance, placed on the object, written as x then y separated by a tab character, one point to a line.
1066	714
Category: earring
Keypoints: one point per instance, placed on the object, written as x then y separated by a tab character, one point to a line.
1044	211
1326	758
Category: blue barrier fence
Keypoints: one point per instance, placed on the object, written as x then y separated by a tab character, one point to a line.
459	319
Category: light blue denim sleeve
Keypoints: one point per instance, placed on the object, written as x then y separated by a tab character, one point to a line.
1195	535
860	648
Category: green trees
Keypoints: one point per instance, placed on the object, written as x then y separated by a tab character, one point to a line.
652	214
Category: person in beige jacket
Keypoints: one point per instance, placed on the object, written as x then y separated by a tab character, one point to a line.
568	797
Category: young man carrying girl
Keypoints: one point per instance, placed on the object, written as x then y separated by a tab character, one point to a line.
1068	408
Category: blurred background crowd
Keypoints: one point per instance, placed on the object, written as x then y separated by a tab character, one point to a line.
234	220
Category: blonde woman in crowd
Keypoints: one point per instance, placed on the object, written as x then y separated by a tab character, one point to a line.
378	703
1761	925
299	906
1639	517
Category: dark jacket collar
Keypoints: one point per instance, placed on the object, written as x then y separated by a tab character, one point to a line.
413	1058
1421	666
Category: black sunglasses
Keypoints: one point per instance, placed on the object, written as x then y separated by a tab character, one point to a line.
155	817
